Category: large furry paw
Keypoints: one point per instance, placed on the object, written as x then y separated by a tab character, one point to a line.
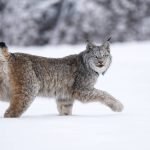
10	114
117	106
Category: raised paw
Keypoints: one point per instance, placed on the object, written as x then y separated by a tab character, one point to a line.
117	106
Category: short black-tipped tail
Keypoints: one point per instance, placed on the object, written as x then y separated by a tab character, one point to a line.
2	44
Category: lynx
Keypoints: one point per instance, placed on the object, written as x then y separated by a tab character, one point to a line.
24	76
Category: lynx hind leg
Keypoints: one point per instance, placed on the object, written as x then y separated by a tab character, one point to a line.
64	106
21	99
99	96
19	104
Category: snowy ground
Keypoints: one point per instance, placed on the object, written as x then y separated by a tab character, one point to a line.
93	126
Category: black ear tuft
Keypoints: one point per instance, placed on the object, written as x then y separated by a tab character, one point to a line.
109	39
87	40
2	44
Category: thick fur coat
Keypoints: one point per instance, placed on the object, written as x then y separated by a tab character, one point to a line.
24	76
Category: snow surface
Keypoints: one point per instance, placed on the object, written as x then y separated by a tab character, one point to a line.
92	126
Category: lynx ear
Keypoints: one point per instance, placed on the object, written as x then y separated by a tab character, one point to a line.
106	44
89	45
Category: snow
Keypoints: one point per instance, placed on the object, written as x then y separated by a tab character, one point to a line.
92	126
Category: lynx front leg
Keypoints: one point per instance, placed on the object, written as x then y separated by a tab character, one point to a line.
98	96
64	106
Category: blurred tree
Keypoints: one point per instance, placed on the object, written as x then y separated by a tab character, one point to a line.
39	22
2	8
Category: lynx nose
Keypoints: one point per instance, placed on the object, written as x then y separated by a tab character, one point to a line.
101	62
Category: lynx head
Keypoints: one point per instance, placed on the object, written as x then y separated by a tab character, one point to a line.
4	54
98	57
